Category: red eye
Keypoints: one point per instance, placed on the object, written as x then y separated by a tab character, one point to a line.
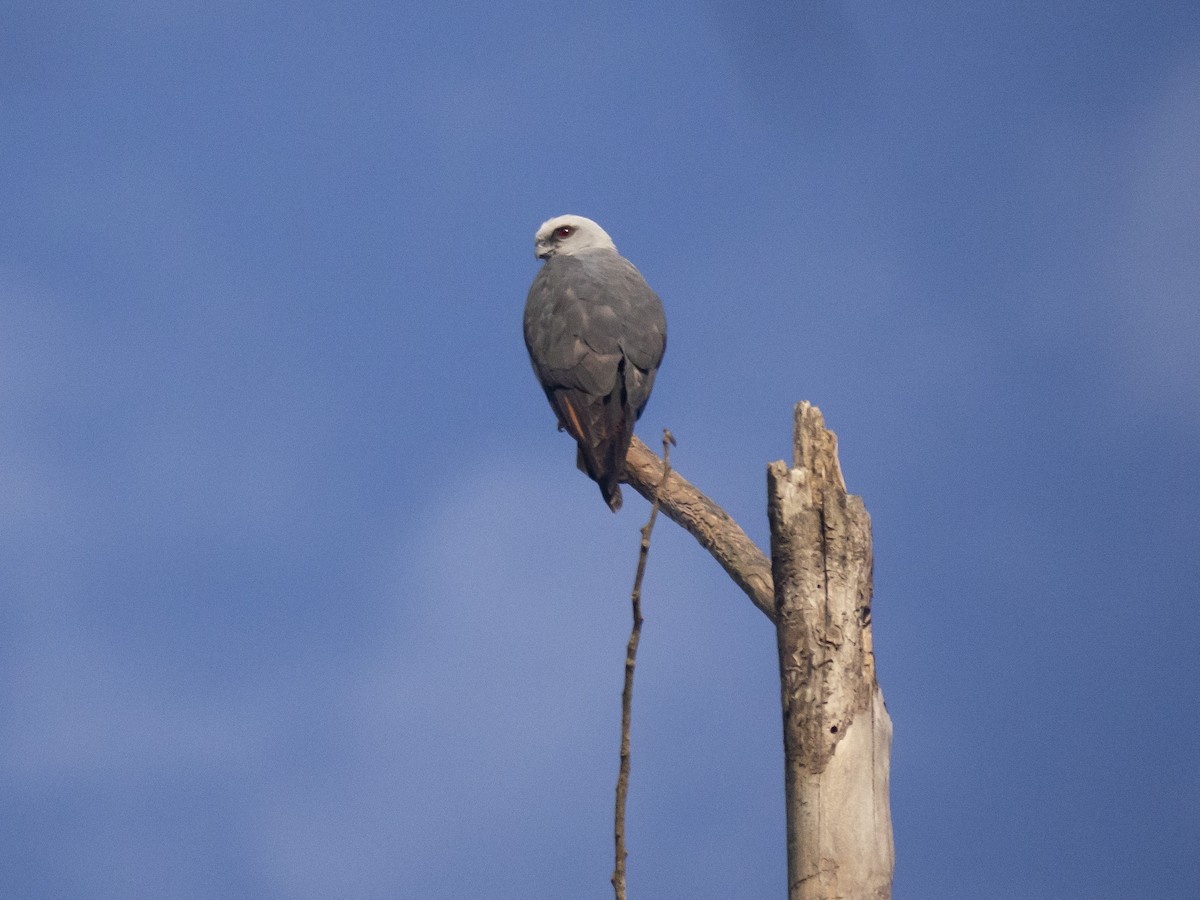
564	231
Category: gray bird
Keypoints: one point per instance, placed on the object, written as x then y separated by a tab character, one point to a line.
596	334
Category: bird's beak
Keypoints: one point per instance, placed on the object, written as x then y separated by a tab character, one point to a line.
542	250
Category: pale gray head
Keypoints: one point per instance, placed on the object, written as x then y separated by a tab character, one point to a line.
566	235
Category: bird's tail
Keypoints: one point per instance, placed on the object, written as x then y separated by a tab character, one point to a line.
602	428
609	480
612	494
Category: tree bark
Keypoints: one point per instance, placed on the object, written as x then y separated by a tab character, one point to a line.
836	729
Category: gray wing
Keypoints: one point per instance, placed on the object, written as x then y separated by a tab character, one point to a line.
587	312
596	334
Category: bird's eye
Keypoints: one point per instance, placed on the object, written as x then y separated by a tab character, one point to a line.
564	231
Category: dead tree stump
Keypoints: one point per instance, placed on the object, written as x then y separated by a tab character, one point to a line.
837	733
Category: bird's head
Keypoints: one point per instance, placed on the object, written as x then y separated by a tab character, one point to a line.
565	235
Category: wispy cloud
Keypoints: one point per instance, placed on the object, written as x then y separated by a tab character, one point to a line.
1158	266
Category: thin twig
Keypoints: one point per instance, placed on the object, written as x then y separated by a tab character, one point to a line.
618	876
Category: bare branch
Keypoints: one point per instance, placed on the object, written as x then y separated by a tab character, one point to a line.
708	523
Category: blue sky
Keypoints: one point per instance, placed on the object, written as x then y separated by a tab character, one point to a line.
300	593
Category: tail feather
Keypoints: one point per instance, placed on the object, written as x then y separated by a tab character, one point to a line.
602	427
608	479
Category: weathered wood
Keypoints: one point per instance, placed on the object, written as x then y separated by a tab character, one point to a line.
708	523
837	732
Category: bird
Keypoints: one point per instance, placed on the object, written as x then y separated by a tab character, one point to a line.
596	334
